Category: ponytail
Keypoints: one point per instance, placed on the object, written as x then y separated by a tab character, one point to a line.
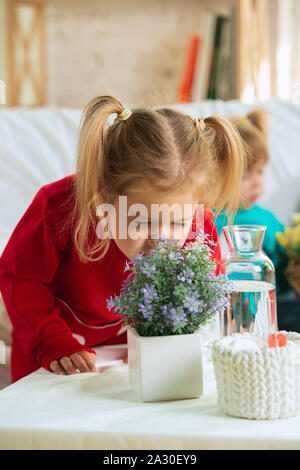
258	119
230	152
89	173
253	130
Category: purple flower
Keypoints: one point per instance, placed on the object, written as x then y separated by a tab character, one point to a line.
194	305
148	269
172	315
149	291
175	256
146	312
110	303
136	258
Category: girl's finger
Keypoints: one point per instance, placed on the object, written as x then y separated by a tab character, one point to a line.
79	362
90	359
68	365
56	368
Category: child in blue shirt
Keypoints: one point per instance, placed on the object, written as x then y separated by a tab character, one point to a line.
253	129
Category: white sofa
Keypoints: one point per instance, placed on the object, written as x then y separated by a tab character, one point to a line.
38	146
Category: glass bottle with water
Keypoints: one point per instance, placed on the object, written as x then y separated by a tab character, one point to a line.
253	302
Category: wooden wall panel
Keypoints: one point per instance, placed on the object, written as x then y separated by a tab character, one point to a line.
26	53
253	60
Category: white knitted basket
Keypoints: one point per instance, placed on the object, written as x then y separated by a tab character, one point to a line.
254	381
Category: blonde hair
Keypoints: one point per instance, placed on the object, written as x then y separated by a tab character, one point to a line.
161	149
253	128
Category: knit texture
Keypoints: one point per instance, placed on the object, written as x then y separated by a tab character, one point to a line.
254	381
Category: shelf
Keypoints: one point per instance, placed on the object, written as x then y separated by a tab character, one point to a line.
251	46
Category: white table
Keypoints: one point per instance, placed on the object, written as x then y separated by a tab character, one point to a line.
99	411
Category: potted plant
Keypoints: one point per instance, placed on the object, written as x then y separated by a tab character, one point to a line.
290	240
166	297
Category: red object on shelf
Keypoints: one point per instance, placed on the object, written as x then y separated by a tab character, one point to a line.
188	74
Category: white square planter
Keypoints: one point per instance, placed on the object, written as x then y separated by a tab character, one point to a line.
165	367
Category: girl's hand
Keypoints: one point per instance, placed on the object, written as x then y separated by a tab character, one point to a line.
82	361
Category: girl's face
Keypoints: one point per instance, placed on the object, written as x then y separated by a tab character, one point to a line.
252	186
148	216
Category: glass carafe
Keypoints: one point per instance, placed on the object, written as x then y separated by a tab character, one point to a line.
253	301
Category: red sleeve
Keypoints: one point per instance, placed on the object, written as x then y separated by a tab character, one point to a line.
27	267
211	230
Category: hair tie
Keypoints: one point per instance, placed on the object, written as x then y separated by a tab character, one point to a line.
200	124
243	118
124	114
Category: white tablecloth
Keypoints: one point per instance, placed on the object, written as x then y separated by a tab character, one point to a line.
99	411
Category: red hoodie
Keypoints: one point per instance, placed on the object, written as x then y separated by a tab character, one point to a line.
56	303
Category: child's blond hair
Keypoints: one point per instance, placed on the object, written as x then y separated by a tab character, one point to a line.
161	149
253	128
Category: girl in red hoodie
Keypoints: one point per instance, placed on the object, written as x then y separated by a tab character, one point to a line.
59	266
